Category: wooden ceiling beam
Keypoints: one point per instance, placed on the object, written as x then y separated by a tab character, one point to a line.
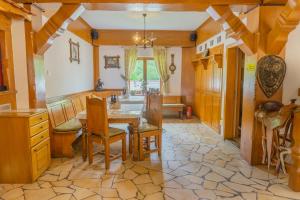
56	26
164	38
285	23
234	27
206	2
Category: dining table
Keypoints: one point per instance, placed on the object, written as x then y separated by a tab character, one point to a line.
126	114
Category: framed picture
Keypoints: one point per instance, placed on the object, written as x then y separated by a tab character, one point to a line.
112	62
74	51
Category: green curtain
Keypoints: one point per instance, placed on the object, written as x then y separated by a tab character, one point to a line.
130	61
160	57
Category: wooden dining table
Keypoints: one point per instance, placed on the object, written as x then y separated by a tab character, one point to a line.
125	115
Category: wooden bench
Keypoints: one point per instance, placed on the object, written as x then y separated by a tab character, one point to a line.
173	103
65	128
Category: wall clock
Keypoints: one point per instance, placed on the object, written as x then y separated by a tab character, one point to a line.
172	67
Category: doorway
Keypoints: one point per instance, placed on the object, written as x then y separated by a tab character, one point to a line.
234	94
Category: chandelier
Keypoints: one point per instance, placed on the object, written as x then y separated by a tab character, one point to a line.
147	40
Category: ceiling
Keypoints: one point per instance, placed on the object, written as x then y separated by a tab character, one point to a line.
133	20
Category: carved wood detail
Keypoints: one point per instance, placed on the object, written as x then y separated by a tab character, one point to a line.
234	27
56	26
285	23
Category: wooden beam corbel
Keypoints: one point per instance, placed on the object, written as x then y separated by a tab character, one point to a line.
12	8
285	23
234	27
56	26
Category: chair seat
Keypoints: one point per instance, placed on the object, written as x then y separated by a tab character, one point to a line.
115	131
144	127
177	105
71	125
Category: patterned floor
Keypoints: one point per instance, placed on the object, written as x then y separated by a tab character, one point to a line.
196	164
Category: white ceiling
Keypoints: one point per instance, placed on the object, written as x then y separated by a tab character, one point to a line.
134	20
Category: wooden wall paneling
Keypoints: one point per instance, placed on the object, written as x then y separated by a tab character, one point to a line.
96	63
187	78
55	26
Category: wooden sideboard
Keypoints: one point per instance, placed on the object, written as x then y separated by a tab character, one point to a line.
24	145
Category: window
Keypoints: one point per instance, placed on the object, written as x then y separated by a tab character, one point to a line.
145	77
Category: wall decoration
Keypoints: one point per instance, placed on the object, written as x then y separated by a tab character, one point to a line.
270	74
112	62
74	51
172	67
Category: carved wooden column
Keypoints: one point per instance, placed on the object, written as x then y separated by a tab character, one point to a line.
294	173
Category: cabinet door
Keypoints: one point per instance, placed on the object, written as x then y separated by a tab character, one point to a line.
216	113
40	158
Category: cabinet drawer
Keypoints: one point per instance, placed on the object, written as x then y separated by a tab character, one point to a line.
40	158
38	119
39	137
39	128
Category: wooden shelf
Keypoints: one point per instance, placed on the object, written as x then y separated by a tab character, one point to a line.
218	58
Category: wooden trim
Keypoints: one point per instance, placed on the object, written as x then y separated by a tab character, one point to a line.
56	25
82	29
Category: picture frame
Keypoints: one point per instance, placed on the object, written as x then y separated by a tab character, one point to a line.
112	62
74	51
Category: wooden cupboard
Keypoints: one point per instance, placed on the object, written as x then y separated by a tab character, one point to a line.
25	145
208	88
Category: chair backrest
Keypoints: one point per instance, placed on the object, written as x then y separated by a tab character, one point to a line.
97	121
154	111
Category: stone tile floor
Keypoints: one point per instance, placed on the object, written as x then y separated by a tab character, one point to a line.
196	164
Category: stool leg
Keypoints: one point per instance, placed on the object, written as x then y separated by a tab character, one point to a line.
124	148
141	147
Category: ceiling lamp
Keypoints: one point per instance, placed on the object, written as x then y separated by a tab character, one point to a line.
147	40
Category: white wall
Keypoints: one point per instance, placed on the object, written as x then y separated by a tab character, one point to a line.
63	77
20	65
175	79
112	78
292	81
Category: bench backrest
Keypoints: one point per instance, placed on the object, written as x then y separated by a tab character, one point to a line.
172	99
56	113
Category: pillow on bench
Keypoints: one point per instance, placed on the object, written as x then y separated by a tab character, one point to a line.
71	125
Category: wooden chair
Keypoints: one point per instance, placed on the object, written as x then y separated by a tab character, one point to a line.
99	130
151	128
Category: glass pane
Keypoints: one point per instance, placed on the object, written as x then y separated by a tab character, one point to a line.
136	79
153	79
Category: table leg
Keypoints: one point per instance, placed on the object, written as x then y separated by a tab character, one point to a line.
135	141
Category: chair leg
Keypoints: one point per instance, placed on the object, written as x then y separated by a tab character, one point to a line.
90	149
124	148
130	142
141	147
107	154
159	143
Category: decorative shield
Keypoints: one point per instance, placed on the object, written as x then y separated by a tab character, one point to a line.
270	74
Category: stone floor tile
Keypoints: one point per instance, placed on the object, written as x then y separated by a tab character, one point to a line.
62	197
106	192
249	196
130	174
209	184
240	179
148	188
87	183
155	196
48	177
142	179
181	194
284	191
33	186
82	193
64	190
62	183
238	187
214	177
12	194
39	194
126	189
206	194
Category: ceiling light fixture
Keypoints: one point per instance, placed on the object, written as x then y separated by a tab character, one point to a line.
147	40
